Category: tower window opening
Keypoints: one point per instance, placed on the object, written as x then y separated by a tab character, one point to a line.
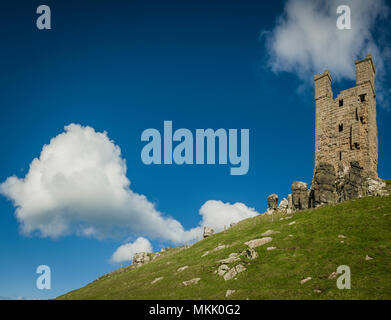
356	114
357	145
340	156
340	102
362	119
362	97
340	127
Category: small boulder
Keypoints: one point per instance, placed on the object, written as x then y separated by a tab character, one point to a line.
250	253
229	293
305	280
270	248
205	254
230	274
258	242
156	280
182	268
190	282
222	270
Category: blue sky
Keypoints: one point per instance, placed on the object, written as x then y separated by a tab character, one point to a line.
125	66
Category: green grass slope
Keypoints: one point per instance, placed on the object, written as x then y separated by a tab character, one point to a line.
309	248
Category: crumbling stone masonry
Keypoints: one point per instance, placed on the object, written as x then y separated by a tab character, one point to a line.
345	126
346	144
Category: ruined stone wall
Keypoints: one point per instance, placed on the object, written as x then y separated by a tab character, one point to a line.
345	127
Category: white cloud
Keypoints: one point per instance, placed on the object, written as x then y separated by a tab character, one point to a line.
127	251
217	214
78	185
305	39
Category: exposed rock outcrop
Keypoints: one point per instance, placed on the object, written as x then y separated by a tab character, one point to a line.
140	259
300	196
323	186
208	232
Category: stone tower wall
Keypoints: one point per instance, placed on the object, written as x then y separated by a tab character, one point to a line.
345	126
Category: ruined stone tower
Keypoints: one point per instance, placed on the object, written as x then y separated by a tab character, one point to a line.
345	126
346	146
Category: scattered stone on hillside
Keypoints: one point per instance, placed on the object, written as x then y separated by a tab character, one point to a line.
229	293
291	223
290	235
222	270
376	187
220	247
283	206
342	241
341	236
367	258
250	253
240	268
317	291
182	268
233	272
233	224
156	280
140	259
333	275
205	254
270	248
208	232
231	258
305	280
258	242
230	274
190	282
269	233
300	199
287	218
323	185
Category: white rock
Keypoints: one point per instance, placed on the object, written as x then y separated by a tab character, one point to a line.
269	233
205	254
305	280
291	223
341	236
333	275
182	268
240	268
222	270
270	248
250	253
258	242
232	258
190	282
368	258
156	280
230	274
229	292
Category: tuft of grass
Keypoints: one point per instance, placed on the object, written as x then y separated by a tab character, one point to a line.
309	248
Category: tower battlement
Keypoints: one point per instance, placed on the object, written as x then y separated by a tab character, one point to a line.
345	126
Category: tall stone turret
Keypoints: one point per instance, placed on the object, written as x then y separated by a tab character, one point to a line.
345	126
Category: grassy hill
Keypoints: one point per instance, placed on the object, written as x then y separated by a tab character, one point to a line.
311	247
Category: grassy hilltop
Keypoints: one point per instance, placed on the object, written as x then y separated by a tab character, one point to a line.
311	247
